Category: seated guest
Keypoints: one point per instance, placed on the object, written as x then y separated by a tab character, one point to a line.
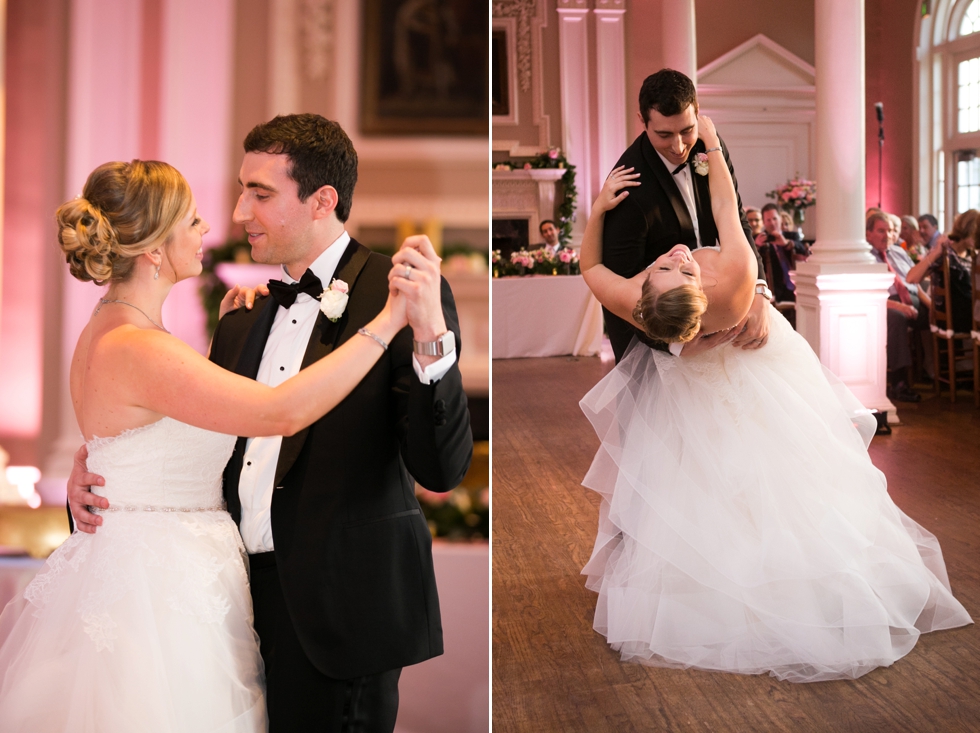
910	239
549	233
929	230
777	247
904	308
754	217
894	231
960	264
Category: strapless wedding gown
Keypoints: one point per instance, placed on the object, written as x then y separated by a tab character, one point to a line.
743	527
145	626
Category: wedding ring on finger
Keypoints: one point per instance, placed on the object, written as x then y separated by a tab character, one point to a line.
408	272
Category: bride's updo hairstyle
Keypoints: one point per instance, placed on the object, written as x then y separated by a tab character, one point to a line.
125	210
673	316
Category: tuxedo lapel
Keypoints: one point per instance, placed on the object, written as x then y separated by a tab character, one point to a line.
702	200
322	341
669	185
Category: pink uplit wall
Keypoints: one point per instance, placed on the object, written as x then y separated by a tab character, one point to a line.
889	54
34	130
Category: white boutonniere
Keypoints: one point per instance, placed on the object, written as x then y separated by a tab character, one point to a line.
333	300
701	164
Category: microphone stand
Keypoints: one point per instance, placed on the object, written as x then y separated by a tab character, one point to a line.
881	146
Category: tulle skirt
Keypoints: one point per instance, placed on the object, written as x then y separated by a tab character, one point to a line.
145	626
743	527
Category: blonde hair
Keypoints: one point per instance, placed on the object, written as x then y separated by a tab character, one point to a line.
125	210
673	316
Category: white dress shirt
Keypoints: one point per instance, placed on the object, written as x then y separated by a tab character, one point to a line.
686	186
282	358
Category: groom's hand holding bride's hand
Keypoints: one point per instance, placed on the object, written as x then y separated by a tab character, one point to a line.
80	496
416	274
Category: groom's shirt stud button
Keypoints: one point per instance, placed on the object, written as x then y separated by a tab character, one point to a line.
294	320
249	463
282	369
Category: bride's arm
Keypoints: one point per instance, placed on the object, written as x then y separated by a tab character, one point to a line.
161	373
616	293
724	200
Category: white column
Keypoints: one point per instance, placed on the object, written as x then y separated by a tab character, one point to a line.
284	69
575	107
679	39
611	81
104	99
841	291
197	51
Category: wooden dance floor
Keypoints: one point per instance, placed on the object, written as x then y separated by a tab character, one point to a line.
552	672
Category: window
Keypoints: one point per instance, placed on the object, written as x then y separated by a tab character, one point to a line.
971	20
967	181
968	94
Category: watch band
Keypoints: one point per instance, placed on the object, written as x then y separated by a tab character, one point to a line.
763	290
440	347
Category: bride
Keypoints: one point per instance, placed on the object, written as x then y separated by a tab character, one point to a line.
742	527
148	625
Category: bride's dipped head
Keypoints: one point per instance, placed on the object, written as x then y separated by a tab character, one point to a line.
124	211
672	301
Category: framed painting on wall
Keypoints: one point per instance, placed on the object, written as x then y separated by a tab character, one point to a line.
424	68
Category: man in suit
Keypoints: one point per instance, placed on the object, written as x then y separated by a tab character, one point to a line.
671	206
549	233
343	586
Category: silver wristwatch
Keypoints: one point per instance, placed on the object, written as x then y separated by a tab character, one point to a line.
440	347
763	290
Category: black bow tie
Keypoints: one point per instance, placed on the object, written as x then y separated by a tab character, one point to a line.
285	294
679	168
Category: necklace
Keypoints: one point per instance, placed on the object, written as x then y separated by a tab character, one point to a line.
103	301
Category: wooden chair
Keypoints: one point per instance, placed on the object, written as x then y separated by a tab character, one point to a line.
786	307
957	345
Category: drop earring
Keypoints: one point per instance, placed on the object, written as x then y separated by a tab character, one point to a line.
156	275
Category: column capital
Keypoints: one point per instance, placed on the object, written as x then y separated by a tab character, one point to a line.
573	6
610	6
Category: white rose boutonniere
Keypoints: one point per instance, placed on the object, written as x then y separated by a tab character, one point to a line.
333	300
701	164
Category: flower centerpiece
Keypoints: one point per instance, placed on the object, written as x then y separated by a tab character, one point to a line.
796	195
535	262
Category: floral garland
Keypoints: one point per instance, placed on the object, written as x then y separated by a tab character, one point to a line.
554	158
536	262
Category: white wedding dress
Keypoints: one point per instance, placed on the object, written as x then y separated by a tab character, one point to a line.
743	527
145	626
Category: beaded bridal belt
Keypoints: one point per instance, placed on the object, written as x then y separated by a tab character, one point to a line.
116	508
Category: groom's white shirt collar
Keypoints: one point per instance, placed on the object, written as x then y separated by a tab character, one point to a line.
324	266
686	186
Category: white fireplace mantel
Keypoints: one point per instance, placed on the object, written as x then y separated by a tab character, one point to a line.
526	194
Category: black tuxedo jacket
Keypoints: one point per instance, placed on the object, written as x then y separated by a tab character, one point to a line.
651	220
352	546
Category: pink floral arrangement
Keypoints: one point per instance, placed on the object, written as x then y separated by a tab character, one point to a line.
568	256
798	193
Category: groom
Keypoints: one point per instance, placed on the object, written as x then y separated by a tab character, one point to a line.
342	579
671	206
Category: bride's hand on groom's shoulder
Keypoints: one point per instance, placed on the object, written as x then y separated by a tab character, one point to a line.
240	297
616	188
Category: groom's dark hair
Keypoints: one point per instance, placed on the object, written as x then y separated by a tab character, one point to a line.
669	92
319	151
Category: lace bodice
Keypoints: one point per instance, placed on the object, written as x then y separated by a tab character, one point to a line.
166	464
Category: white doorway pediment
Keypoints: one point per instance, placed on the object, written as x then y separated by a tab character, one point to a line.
759	63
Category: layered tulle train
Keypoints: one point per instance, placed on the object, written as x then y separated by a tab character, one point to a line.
743	527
